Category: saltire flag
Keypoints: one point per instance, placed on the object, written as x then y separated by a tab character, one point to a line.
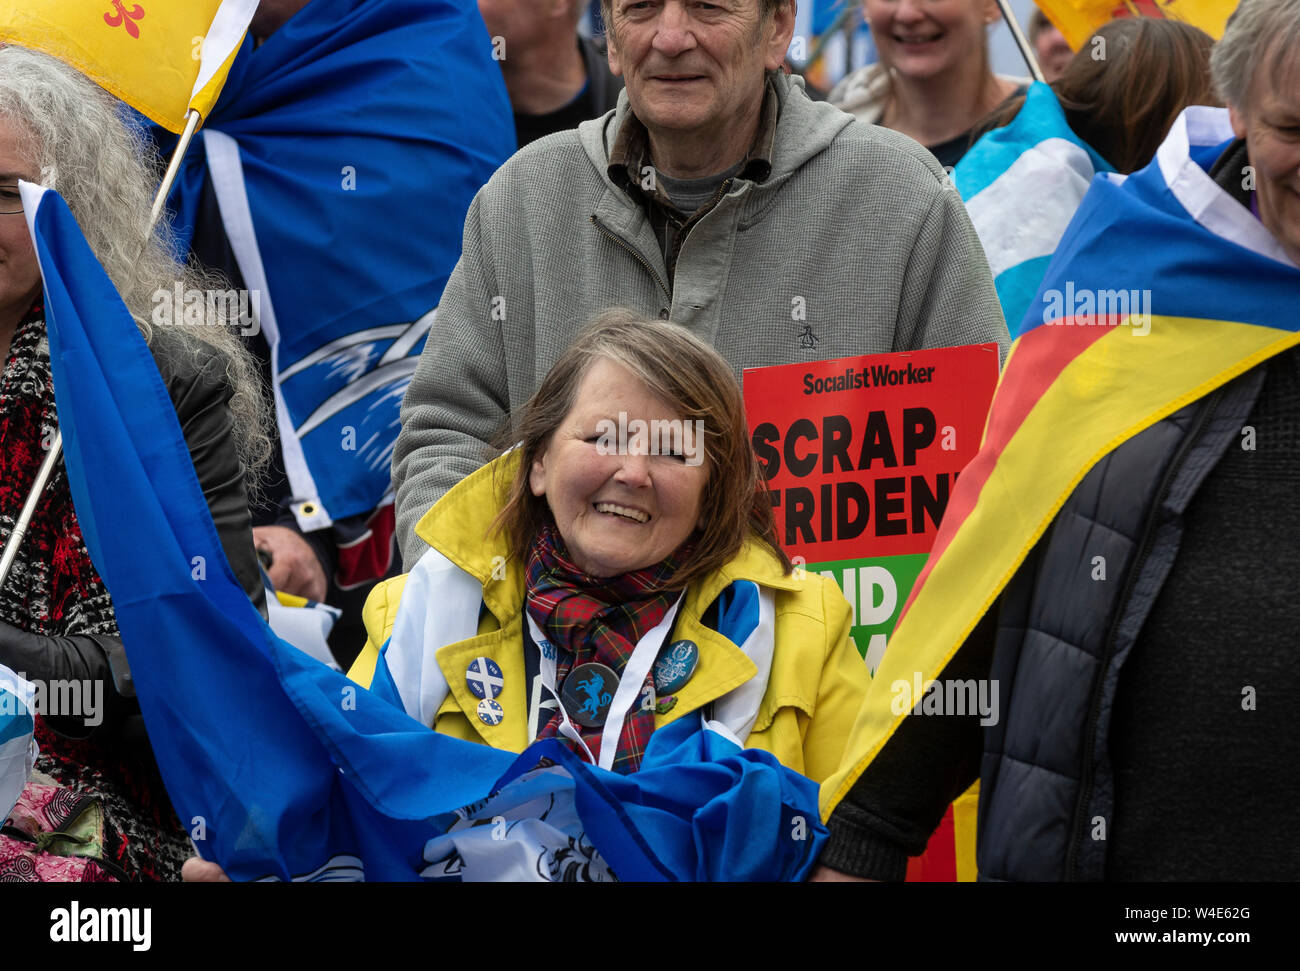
282	768
1163	288
162	57
17	741
343	155
1077	20
1021	184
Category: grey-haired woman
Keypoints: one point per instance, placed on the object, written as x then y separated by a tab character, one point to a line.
94	808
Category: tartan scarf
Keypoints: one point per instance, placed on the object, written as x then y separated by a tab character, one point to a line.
599	619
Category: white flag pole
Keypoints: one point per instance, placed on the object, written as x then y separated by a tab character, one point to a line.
192	121
1019	37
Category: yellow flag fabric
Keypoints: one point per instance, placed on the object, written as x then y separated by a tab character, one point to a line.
162	57
1078	19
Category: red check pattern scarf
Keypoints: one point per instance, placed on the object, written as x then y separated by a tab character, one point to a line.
599	619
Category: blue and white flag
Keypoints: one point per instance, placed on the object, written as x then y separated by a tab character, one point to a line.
1021	184
17	742
306	624
344	153
282	768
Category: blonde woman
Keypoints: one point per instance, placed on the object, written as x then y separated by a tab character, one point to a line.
933	81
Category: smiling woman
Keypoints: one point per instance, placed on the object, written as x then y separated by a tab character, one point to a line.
619	511
626	369
587	559
933	81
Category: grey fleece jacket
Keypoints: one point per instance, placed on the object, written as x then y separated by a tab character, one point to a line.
856	243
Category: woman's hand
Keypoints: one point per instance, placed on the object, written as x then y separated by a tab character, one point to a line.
198	870
294	567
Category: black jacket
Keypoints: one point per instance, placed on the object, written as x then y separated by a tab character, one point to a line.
196	383
1055	643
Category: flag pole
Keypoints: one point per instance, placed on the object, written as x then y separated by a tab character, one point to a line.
29	507
1018	35
192	121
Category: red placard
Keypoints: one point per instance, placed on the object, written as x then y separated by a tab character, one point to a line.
862	452
861	455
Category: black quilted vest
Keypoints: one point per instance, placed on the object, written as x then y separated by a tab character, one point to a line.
1063	637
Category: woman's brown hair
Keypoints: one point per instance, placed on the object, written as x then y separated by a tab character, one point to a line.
1123	89
700	385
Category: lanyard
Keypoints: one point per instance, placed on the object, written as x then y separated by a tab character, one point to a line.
630	682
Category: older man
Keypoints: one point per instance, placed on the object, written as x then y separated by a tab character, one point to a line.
1148	534
717	195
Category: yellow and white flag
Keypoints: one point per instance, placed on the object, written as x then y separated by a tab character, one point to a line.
162	57
1077	20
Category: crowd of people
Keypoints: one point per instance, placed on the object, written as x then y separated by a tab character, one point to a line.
678	210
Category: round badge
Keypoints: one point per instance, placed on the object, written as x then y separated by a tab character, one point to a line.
588	691
675	666
483	677
489	712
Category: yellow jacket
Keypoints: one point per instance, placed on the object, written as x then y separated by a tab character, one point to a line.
814	690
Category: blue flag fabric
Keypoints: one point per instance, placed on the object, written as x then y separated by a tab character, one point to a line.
1022	184
344	153
281	767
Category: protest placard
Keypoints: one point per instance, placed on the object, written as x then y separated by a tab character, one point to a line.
861	455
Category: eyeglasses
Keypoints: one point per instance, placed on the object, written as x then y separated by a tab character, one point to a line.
11	200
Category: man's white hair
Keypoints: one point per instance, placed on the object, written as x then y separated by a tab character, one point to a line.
1261	35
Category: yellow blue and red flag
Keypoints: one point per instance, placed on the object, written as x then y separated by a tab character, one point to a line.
162	57
1163	288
